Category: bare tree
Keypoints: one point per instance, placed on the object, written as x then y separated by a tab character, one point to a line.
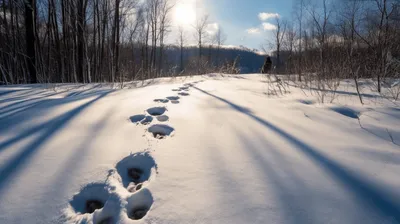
279	34
30	9
349	24
200	28
299	12
219	39
181	43
165	23
289	46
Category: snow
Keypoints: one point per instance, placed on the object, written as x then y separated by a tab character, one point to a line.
224	153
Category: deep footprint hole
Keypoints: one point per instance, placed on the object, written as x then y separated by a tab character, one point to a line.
135	174
139	204
90	198
136	169
138	213
93	205
156	111
161	131
108	220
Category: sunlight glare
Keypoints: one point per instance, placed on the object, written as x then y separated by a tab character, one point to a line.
185	14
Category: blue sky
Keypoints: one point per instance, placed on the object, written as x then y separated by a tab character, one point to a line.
240	19
236	17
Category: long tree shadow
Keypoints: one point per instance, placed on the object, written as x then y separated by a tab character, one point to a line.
6	92
14	115
365	191
43	132
366	95
282	180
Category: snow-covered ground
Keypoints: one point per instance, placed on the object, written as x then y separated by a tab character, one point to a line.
207	149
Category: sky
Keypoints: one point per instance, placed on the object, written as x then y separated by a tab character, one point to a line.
245	22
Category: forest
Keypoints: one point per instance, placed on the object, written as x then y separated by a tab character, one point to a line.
106	41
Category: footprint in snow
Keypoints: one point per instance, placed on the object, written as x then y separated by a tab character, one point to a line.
94	203
174	101
175	90
161	131
90	198
139	204
161	100
183	94
156	111
162	118
136	169
173	98
141	119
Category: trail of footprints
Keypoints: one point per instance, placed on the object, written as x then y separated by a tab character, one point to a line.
124	194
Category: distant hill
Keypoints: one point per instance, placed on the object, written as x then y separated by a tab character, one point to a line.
249	61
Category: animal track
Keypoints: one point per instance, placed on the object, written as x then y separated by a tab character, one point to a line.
173	98
160	131
162	118
92	205
136	168
102	203
133	188
139	204
108	220
161	100
141	119
90	198
137	118
183	94
147	120
156	111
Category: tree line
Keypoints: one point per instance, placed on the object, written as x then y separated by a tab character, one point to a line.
328	40
96	41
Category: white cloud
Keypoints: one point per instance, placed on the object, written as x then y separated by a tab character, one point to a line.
268	26
253	30
212	28
265	16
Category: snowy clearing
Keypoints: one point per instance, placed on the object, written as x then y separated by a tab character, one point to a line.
205	149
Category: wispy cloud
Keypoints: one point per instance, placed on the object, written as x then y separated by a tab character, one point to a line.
266	15
268	26
264	26
253	30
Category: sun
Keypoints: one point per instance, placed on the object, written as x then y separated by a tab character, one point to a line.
185	14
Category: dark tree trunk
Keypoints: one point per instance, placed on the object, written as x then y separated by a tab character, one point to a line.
30	6
81	41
